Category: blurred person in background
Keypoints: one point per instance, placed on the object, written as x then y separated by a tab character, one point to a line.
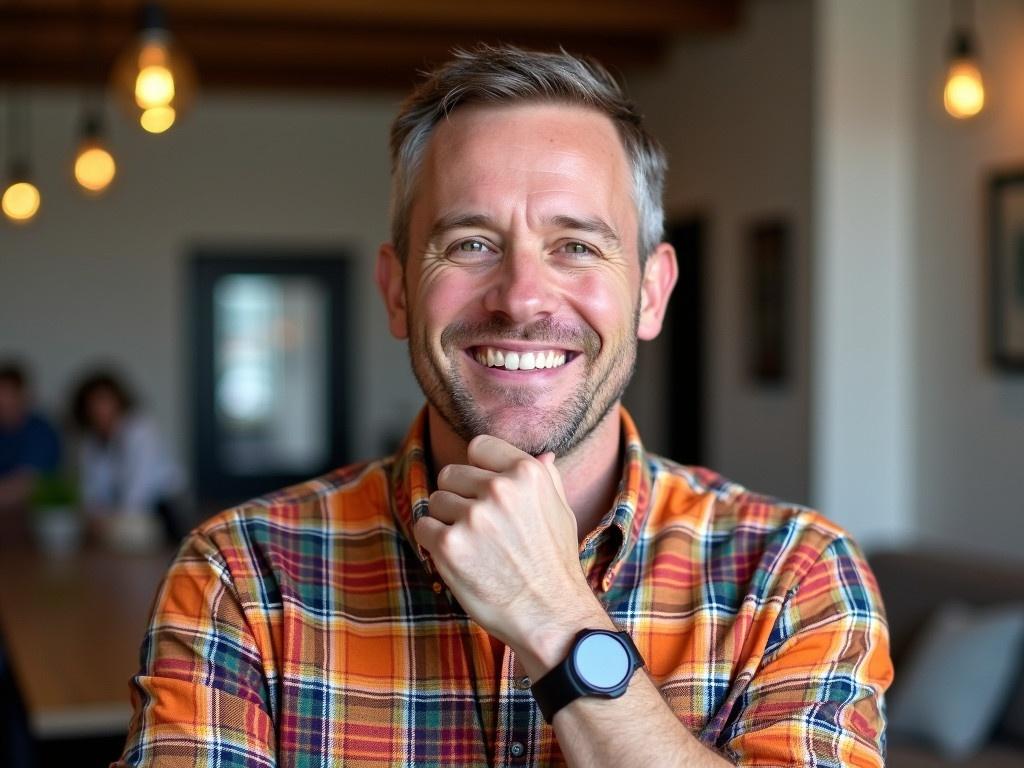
125	473
29	447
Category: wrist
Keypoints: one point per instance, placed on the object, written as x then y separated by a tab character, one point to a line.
547	644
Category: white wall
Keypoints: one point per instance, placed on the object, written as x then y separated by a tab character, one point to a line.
863	294
103	279
734	114
969	418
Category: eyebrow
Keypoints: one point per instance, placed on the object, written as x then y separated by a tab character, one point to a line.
591	225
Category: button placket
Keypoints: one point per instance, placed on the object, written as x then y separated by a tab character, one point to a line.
515	736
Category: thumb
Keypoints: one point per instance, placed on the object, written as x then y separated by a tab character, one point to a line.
548	460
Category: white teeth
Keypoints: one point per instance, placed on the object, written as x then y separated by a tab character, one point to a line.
518	361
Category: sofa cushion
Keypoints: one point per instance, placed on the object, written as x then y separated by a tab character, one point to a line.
901	755
958	676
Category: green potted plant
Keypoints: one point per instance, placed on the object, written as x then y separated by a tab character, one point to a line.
55	519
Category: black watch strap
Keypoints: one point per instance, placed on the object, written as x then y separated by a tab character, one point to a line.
561	685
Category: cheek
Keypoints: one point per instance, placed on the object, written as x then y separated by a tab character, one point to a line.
606	305
444	296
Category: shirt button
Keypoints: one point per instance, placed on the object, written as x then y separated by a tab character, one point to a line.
523	683
438	587
517	749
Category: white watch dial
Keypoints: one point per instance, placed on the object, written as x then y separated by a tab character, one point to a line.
601	661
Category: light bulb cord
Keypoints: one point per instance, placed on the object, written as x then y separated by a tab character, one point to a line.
18	133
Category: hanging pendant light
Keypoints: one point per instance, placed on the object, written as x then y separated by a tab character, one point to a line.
94	167
21	199
154	77
94	164
964	94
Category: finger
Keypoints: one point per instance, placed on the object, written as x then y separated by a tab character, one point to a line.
427	532
447	507
548	460
493	453
464	480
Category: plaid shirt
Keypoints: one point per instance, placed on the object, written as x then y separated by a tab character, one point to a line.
308	628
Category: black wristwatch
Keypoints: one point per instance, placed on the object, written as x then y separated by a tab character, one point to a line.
600	663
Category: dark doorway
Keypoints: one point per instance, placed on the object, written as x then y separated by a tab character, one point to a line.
685	334
270	344
666	396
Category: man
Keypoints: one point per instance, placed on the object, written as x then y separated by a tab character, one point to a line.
29	447
521	584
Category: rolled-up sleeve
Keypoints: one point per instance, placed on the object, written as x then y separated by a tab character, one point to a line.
201	697
817	697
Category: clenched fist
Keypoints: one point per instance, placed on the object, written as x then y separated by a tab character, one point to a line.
504	539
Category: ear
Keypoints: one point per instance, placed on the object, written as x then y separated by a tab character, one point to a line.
391	284
660	274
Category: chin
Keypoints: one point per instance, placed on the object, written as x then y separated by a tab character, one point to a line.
528	439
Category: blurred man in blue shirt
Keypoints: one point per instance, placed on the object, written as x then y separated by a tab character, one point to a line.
29	447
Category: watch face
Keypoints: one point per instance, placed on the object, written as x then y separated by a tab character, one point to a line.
601	661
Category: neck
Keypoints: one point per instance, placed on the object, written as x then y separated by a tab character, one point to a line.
590	471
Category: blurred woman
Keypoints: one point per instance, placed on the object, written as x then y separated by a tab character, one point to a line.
124	469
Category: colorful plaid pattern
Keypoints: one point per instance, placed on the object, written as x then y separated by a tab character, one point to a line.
307	628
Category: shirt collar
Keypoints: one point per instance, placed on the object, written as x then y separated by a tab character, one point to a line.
620	527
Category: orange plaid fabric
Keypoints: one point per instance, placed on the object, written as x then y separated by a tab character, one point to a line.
307	628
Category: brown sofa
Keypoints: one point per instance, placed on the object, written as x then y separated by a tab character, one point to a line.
914	585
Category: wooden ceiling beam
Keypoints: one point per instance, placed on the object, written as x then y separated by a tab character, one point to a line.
330	44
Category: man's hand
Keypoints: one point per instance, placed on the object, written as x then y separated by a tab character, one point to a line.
505	541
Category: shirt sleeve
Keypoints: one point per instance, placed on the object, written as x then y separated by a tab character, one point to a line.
201	697
817	695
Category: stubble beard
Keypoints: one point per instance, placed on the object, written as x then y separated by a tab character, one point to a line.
534	430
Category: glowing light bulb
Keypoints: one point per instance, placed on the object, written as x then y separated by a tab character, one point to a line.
154	87
157	119
154	78
20	201
964	95
94	167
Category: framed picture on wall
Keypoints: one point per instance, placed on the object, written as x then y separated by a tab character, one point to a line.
767	272
1006	269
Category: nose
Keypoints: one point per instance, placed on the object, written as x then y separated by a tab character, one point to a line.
524	290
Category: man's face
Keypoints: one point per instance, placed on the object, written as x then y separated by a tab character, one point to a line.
522	282
12	405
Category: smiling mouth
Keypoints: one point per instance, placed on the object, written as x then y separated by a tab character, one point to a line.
513	360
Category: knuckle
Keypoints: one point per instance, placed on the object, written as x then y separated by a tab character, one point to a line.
528	469
499	487
476	514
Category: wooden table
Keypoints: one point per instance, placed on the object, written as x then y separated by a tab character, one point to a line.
72	628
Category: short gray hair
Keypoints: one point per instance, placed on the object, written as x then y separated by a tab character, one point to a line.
506	74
